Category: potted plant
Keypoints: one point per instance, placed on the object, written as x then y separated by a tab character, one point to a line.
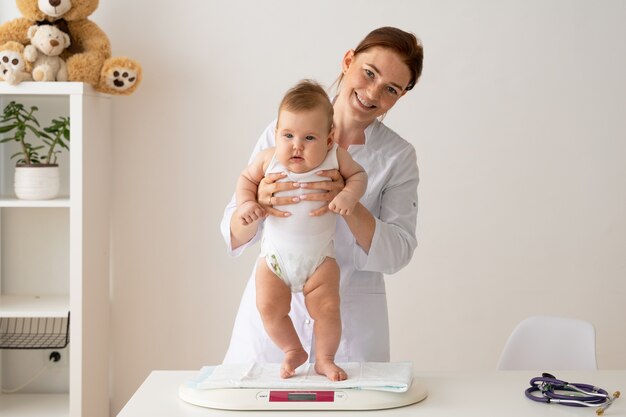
36	171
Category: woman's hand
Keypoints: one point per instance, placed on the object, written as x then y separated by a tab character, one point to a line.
266	190
329	189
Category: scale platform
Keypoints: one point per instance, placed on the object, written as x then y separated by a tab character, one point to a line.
284	399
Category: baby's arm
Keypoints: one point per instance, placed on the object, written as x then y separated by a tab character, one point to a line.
356	183
248	209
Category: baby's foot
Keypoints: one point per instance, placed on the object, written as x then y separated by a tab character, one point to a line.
332	371
293	359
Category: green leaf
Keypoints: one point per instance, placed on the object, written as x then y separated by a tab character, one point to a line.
7	128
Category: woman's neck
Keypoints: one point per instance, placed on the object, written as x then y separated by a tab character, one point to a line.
347	130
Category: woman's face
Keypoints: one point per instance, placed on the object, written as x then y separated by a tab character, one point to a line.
372	82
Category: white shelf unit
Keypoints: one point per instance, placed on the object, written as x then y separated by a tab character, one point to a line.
54	258
13	306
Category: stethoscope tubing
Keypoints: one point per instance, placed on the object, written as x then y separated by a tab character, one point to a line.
554	397
556	391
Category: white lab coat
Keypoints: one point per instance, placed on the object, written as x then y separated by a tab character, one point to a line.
391	196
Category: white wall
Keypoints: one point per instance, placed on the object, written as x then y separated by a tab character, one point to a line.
518	126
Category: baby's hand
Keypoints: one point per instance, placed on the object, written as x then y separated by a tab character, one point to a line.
343	203
250	212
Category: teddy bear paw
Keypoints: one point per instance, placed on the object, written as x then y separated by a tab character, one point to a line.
43	73
30	53
120	76
121	79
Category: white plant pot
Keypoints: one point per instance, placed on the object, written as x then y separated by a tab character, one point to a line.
38	182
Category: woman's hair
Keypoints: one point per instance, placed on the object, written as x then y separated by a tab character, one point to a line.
307	95
403	43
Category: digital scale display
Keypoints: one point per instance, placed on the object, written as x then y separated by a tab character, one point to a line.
302	396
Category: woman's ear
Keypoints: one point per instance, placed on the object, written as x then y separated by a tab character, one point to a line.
348	58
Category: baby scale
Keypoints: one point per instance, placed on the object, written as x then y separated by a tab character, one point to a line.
301	399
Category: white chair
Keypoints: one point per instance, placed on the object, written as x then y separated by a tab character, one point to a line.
544	343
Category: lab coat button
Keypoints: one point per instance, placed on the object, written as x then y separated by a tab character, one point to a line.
307	321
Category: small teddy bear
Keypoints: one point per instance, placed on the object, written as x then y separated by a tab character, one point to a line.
47	42
13	67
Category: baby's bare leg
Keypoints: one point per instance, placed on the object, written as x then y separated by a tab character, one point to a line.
273	299
321	295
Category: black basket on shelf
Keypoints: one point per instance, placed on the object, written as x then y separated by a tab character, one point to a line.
34	332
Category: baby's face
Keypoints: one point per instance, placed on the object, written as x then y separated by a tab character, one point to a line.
302	139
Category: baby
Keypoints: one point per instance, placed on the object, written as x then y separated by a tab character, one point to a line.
297	252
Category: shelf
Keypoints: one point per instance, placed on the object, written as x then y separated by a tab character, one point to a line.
13	306
34	405
33	322
76	240
14	202
47	88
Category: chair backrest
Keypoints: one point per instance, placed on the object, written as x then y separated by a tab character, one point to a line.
550	343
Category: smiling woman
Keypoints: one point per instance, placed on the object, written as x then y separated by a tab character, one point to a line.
377	236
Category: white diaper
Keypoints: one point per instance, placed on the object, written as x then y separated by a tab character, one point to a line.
295	261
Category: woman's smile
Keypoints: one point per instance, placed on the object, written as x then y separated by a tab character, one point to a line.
364	103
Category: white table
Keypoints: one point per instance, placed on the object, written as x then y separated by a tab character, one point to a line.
463	394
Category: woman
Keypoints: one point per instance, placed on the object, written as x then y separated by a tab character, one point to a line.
379	235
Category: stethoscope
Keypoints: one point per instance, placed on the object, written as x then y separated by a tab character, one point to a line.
576	395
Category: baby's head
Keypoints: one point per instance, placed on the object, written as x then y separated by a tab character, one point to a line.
304	130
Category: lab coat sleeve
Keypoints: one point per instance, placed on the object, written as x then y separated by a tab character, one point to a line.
266	140
394	240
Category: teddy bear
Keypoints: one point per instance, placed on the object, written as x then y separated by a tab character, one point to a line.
89	57
13	67
47	42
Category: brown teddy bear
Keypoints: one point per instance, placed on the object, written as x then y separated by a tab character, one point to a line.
89	56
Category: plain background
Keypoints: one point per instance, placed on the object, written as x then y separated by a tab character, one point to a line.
518	123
